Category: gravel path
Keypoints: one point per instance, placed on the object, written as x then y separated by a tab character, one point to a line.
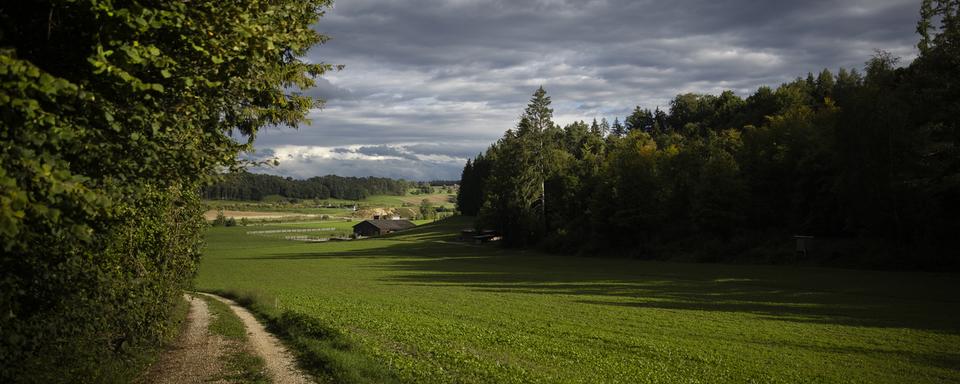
195	358
280	362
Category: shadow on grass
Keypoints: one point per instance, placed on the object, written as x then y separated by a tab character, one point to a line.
429	256
320	349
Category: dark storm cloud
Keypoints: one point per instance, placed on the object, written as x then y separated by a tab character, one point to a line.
446	78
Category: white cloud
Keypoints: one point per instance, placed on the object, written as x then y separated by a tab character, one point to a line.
414	161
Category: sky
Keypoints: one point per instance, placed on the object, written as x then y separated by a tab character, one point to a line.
428	84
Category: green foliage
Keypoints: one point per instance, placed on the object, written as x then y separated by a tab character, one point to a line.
871	158
113	115
472	184
419	307
427	210
220	220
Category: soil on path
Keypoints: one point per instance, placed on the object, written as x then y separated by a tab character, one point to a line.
195	358
280	362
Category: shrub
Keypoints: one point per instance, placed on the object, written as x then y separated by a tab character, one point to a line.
221	220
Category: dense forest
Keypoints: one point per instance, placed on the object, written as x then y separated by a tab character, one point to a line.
252	186
113	115
867	162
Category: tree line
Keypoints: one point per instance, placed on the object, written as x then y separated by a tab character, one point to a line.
113	116
253	186
868	160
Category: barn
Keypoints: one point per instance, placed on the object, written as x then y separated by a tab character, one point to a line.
380	227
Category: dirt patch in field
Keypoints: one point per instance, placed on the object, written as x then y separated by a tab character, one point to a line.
369	213
212	214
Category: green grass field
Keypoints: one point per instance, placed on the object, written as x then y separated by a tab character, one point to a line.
427	309
312	229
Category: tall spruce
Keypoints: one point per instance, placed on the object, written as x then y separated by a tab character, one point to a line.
539	118
617	129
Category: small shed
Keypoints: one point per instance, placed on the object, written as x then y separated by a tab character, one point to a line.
381	227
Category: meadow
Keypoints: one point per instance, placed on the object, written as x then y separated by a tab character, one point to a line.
420	307
311	229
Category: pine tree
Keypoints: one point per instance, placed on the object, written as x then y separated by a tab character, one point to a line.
641	119
617	129
604	127
539	112
467	184
595	127
539	116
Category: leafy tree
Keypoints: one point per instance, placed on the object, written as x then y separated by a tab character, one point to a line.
427	210
632	175
114	114
720	194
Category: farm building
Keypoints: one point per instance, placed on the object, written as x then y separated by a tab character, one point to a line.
381	227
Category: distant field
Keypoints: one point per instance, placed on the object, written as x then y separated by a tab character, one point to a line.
330	207
435	311
212	214
437	199
308	229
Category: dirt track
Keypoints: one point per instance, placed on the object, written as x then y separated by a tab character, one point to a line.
196	357
280	362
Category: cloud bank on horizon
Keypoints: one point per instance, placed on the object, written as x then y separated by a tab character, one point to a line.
430	83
